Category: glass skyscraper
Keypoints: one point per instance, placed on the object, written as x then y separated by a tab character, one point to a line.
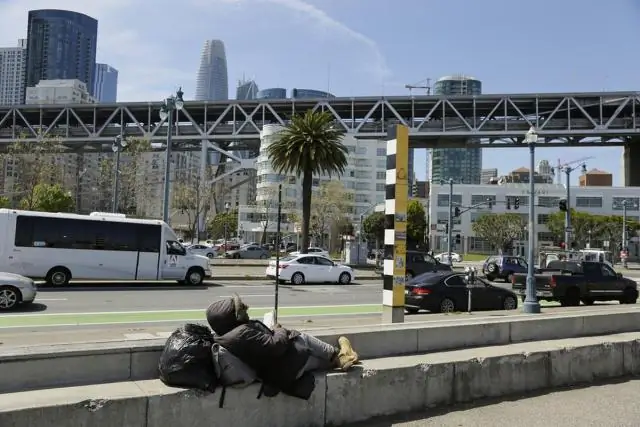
106	83
272	93
61	45
247	89
464	165
212	82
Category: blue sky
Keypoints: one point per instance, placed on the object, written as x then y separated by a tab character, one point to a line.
369	47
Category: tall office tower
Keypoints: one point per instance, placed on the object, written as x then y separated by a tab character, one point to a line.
212	83
61	45
12	69
247	89
462	164
272	93
105	88
487	175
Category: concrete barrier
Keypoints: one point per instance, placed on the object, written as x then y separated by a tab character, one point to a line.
69	365
379	387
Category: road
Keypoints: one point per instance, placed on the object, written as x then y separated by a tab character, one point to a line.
125	312
606	405
241	271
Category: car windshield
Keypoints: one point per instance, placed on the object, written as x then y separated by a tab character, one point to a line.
428	278
288	259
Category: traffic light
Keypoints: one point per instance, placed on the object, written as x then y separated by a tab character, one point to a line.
562	205
414	189
516	203
456	211
490	203
446	228
458	239
508	203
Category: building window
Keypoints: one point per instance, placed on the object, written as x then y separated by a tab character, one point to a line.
381	152
630	202
443	199
443	218
476	199
588	202
380	187
381	175
543	218
545	237
524	200
548	202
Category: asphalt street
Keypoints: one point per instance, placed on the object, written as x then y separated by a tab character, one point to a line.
123	312
605	405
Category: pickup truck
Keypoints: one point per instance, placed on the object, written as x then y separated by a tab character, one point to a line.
582	281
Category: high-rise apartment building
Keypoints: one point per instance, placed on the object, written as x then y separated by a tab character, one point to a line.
486	175
105	88
212	82
247	89
460	164
61	45
12	73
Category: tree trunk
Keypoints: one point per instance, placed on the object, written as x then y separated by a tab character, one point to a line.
307	181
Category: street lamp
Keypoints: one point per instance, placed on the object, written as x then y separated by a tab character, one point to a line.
227	206
78	178
241	233
567	215
171	104
449	221
119	143
531	304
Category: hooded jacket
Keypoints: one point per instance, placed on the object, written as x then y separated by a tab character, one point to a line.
271	354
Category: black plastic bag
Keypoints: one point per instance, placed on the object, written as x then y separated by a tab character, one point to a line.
186	359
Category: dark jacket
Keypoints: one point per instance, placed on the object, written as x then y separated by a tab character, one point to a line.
271	354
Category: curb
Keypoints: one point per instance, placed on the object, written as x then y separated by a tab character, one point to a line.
256	278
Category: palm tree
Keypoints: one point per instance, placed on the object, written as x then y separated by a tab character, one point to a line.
310	145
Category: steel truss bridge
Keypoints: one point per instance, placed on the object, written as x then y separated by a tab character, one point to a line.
602	118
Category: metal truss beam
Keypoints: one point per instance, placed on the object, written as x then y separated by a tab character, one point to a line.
603	118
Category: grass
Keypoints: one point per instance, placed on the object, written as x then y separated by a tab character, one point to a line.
474	257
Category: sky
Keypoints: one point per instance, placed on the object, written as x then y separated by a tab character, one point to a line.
369	47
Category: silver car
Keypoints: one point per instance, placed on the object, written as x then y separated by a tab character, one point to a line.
204	250
15	290
249	252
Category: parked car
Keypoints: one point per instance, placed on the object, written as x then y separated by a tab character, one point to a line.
300	269
447	292
248	252
16	290
443	257
205	250
314	251
503	266
584	281
421	262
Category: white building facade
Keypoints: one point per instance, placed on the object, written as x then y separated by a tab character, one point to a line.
594	200
13	61
49	92
364	177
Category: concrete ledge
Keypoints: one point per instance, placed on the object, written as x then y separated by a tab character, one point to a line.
379	387
70	365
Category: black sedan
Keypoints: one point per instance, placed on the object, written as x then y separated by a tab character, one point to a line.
447	292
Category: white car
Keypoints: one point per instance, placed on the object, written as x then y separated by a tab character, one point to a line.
15	290
204	250
313	251
444	256
300	269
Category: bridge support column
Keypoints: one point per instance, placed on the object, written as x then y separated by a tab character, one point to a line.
631	163
395	233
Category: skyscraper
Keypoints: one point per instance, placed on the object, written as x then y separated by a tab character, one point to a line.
12	68
105	88
212	83
462	164
61	45
247	89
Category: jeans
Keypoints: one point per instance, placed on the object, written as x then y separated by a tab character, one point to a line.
321	354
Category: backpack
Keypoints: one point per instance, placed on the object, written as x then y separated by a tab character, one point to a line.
186	359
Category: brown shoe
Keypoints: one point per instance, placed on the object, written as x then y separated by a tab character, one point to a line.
347	357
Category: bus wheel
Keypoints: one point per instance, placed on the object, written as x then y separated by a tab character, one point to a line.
195	276
58	276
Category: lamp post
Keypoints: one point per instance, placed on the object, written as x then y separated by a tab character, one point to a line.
227	206
119	143
360	231
241	233
567	215
450	221
531	304
78	199
171	104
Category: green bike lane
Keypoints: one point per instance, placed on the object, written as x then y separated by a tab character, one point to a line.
158	316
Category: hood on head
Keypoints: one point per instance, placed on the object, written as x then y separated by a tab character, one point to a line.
225	315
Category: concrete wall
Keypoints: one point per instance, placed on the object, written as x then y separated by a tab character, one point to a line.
71	365
379	387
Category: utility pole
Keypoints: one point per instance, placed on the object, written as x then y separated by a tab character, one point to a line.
450	221
567	214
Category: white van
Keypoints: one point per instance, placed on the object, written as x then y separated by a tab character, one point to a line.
59	246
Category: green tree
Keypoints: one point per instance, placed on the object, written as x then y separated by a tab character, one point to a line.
5	202
330	202
373	226
499	229
310	145
588	227
49	198
216	226
416	222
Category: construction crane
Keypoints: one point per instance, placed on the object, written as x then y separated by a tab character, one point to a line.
420	85
562	166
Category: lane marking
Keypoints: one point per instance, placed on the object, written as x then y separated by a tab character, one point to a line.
249	296
52	299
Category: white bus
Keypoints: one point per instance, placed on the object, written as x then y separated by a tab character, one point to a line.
59	247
